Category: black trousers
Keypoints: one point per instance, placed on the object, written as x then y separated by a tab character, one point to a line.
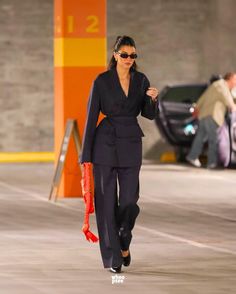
115	214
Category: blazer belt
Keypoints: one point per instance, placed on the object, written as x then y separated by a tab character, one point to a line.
122	120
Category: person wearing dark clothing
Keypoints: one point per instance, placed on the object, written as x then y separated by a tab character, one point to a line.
115	149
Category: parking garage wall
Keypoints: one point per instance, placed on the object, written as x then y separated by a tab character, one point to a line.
177	42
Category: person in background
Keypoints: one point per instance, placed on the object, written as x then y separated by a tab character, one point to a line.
212	107
115	149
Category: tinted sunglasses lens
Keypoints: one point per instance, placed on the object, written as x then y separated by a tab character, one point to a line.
133	56
124	55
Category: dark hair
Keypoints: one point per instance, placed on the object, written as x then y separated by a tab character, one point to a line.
229	75
215	77
122	41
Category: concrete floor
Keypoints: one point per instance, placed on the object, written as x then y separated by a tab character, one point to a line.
184	240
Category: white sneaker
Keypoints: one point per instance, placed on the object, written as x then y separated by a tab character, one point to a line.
195	162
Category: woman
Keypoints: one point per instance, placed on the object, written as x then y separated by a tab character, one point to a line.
115	149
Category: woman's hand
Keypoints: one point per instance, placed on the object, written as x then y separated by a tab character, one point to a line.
153	93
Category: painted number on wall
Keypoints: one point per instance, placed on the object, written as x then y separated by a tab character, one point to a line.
93	24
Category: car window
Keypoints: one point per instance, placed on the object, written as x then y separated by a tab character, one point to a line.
184	94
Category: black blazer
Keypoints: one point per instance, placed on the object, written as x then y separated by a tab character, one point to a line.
116	141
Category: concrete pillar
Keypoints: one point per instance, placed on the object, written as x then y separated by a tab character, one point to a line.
80	54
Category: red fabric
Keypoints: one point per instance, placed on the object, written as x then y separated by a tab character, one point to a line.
88	199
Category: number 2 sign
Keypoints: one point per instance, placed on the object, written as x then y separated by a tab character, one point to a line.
70	26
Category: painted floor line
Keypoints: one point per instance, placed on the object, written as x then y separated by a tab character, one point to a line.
38	196
151	231
188	241
153	199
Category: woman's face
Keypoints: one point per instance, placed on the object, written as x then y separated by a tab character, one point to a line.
123	62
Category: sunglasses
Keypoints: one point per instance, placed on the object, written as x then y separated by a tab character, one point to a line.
126	55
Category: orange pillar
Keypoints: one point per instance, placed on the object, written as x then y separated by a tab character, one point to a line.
79	55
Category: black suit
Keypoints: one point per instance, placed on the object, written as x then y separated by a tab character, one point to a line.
119	131
115	149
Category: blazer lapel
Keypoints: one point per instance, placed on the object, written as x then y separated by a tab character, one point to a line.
119	92
131	84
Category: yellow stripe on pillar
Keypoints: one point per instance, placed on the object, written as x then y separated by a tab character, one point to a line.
26	157
79	52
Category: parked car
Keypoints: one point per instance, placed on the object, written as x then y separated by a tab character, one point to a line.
177	122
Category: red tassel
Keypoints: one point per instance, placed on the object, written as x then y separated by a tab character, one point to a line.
89	235
88	199
86	186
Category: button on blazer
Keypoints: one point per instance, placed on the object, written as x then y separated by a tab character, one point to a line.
117	140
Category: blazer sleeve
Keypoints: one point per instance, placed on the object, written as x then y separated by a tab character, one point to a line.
149	108
93	110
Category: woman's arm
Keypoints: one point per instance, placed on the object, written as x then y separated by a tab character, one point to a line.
91	123
149	104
